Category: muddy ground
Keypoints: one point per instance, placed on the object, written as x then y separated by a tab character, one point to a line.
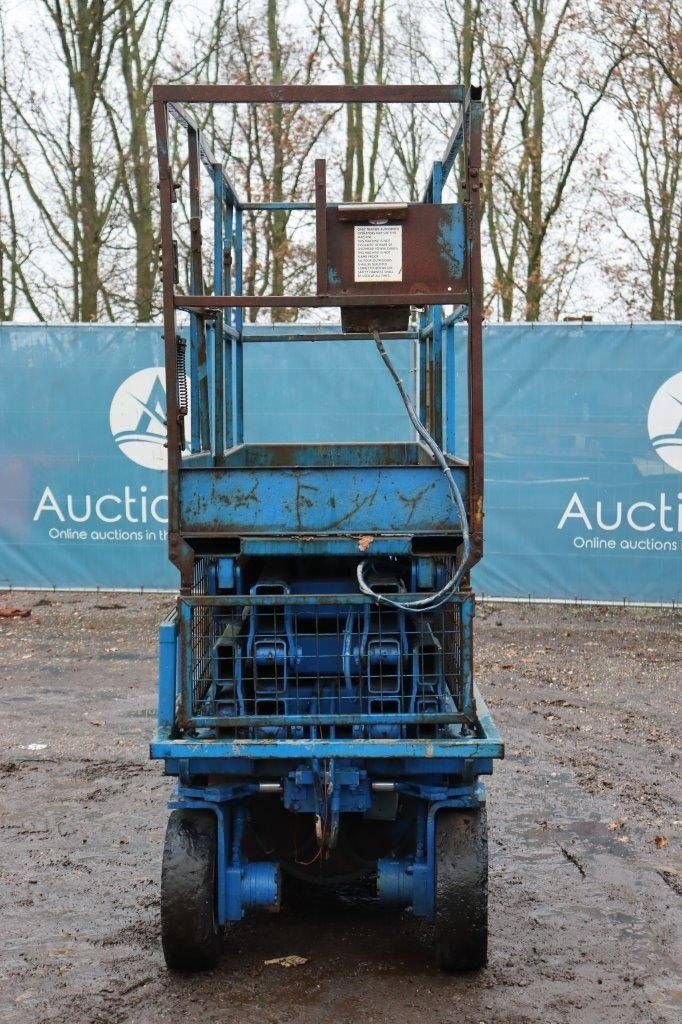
585	891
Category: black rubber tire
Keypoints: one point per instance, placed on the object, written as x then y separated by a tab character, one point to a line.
191	937
461	926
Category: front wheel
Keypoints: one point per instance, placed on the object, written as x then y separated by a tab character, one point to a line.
190	934
461	925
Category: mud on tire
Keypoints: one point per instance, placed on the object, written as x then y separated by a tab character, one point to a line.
461	925
191	937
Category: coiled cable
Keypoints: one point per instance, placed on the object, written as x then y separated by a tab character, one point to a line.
433	601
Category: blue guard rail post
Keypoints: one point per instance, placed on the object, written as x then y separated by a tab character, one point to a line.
316	696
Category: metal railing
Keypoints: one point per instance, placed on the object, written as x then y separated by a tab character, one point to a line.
216	319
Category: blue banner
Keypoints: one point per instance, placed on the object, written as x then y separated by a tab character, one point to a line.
83	499
583	451
583	462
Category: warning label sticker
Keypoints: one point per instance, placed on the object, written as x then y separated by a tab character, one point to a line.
378	252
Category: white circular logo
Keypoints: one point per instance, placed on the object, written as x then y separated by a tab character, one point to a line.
138	417
665	421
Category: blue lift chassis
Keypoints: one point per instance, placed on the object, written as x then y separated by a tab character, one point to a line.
316	695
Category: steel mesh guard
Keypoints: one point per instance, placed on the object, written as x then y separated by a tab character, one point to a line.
293	664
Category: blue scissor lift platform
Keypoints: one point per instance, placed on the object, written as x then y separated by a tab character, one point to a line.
316	695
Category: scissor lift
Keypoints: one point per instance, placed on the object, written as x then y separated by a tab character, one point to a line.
316	699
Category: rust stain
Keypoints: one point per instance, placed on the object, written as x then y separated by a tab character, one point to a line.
243	498
365	541
303	502
236	499
413	501
358	503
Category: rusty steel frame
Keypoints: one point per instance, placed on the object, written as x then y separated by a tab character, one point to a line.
172	101
309	93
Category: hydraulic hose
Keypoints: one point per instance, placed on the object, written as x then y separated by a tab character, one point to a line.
433	601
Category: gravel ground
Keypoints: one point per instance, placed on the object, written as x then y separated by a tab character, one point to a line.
585	890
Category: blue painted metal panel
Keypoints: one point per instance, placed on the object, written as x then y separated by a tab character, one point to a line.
303	749
451	239
429	770
336	501
167	680
290	545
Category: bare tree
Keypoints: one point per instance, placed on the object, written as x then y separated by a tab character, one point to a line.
543	80
657	31
354	35
142	36
78	232
87	37
540	196
59	153
406	129
646	208
270	146
15	234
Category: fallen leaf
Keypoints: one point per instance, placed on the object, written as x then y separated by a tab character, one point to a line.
14	613
293	960
660	841
618	823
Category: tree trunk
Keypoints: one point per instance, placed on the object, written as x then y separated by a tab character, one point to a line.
89	218
137	166
81	27
535	149
677	274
